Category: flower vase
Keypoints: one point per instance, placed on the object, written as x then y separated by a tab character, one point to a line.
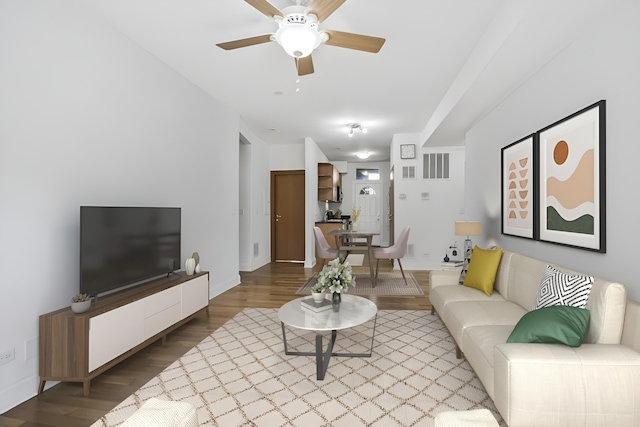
354	226
335	301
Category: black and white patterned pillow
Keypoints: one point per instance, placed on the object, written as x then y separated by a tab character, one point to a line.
558	288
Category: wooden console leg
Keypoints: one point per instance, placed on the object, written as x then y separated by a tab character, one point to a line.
41	386
458	353
86	386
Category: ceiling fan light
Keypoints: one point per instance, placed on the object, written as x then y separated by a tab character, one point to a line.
298	39
363	155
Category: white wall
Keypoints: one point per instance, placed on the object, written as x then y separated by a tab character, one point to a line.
431	221
88	118
602	64
255	203
287	156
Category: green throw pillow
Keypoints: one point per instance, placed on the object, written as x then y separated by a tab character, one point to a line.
483	266
556	324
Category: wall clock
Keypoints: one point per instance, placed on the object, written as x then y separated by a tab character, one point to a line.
407	151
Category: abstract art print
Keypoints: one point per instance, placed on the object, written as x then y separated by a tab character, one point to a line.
518	188
572	180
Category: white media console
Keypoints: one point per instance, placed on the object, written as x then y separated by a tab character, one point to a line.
79	347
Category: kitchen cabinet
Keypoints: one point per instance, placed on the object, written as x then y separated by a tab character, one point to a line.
328	183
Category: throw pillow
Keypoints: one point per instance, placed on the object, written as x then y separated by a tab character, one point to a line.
557	324
481	273
558	288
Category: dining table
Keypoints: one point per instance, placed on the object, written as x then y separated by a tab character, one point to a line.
356	241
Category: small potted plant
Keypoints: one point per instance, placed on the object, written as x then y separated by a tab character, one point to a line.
317	292
80	303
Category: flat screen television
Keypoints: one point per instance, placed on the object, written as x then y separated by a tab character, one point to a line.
121	246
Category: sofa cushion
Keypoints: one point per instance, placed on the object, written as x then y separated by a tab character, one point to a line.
463	314
557	324
558	288
483	266
443	295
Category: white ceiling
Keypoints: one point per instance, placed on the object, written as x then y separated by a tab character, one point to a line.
444	65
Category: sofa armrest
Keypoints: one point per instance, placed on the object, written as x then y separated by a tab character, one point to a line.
557	385
444	277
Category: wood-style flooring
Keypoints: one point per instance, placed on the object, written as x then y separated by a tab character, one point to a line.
270	286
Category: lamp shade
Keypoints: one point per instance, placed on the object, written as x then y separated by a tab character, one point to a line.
468	228
298	39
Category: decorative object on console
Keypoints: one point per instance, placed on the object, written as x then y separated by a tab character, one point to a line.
519	188
467	228
198	269
355	214
196	256
572	185
190	266
80	303
559	288
482	269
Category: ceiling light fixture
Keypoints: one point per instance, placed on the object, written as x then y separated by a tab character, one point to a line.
353	126
298	32
363	155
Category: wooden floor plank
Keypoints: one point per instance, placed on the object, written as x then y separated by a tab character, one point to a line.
270	286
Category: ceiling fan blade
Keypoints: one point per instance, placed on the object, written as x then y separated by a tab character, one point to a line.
265	7
354	41
235	44
304	65
323	8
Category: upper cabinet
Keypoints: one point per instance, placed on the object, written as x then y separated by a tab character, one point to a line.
328	183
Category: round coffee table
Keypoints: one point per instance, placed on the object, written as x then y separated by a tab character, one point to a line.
354	311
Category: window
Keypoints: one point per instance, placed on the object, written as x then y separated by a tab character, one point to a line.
408	172
368	174
435	166
368	191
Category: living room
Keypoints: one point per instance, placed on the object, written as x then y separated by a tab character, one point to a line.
88	117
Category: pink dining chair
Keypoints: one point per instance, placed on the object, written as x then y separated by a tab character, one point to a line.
396	251
323	250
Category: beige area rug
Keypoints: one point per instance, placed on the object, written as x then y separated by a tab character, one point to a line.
240	376
387	284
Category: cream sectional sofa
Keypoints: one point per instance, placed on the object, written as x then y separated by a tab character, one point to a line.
596	384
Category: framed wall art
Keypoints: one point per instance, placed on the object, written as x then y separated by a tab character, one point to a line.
519	170
572	180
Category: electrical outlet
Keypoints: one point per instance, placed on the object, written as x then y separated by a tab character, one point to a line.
7	356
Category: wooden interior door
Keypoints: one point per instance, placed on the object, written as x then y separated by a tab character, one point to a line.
287	215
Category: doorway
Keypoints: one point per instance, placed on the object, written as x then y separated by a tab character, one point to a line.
368	196
287	215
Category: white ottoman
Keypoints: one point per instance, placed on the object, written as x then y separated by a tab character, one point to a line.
473	418
159	413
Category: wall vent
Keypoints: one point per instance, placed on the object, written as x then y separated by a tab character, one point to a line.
256	250
435	166
410	250
408	172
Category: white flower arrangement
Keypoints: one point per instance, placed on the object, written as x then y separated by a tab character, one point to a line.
336	276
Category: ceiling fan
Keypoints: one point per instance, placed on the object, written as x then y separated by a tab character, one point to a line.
298	32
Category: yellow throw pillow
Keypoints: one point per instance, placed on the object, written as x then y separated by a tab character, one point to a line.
482	270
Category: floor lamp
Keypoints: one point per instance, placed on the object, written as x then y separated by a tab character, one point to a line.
467	228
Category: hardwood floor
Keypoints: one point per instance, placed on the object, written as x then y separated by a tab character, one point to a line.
269	286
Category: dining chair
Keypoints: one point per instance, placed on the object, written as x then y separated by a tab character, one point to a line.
396	251
323	250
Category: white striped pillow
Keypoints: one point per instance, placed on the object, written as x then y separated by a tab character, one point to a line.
558	288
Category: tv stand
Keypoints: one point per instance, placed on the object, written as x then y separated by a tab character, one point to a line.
79	347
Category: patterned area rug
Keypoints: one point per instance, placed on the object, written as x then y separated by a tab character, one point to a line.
387	284
240	376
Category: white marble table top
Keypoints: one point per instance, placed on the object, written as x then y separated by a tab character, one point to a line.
354	310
